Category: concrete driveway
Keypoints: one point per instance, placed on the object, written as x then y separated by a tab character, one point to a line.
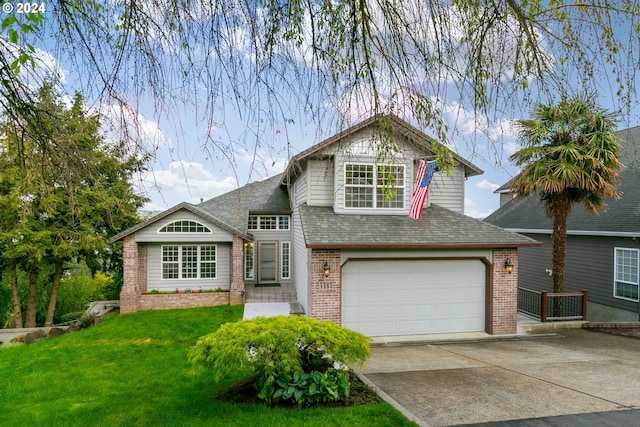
453	383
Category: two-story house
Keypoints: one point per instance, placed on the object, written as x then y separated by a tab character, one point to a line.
335	225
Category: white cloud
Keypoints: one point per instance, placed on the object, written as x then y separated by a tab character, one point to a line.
472	209
486	185
182	181
124	123
45	66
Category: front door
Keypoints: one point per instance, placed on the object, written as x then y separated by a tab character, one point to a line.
267	262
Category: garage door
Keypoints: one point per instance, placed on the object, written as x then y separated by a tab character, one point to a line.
413	297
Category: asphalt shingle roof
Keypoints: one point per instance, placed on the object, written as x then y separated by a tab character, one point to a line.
437	228
233	208
620	216
230	211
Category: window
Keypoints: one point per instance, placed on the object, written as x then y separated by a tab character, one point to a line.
207	262
626	274
285	260
283	222
188	262
184	227
248	261
374	186
268	222
170	262
390	187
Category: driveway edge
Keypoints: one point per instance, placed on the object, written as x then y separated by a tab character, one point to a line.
404	411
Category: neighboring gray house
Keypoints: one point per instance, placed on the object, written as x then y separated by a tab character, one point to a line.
602	250
352	254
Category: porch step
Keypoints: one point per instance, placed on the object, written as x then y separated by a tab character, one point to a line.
283	293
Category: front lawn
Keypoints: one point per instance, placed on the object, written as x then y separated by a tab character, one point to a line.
133	370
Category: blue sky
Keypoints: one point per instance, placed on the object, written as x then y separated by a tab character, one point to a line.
198	157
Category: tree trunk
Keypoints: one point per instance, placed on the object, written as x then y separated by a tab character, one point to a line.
57	276
15	294
560	210
32	298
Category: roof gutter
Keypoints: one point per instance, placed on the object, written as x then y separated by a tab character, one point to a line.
578	232
423	246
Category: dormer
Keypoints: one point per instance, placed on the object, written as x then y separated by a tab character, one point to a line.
364	170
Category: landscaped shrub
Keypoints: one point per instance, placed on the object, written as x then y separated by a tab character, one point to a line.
292	357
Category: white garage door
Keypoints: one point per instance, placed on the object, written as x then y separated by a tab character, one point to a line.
413	297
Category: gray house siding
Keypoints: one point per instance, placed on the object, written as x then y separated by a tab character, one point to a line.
300	189
300	262
154	270
151	234
448	191
589	266
321	183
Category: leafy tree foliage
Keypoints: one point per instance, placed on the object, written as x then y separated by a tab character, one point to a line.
570	157
63	191
272	59
292	357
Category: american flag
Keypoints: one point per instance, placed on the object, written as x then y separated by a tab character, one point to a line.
421	188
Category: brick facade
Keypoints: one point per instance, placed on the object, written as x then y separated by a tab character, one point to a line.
236	287
131	275
325	293
172	301
502	315
133	295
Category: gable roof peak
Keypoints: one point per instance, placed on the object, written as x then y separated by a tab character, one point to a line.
389	123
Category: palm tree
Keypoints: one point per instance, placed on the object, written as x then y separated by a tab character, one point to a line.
570	156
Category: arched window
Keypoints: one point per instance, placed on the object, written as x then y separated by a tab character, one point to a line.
184	226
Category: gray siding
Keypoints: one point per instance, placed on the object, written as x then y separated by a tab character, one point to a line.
154	270
589	266
448	191
321	191
150	233
506	197
300	261
301	190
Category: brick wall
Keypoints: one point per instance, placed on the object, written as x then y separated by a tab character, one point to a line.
134	286
172	301
236	287
325	293
503	311
131	275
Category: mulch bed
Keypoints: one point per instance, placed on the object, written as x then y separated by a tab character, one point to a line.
244	392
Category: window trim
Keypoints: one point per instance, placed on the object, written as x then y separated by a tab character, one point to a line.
199	262
284	276
615	273
207	230
249	254
375	186
255	222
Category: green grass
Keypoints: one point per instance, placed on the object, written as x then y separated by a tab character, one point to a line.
133	370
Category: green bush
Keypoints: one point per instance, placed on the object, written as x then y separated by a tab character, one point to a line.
68	317
292	357
312	387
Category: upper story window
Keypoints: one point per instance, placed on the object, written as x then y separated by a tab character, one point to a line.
184	227
626	277
374	186
268	222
